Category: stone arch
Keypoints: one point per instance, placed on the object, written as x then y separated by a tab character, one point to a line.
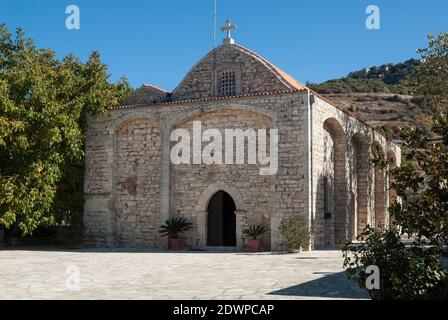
184	117
380	187
359	182
123	119
206	195
333	188
201	210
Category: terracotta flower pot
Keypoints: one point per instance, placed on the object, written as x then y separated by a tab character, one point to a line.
175	244
254	245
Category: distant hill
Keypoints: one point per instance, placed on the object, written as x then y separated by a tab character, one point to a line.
383	96
388	78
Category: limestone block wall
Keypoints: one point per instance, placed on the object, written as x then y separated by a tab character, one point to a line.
137	187
137	178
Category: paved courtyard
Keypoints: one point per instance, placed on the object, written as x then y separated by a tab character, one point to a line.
132	274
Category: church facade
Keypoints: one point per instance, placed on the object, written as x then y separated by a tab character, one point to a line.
324	161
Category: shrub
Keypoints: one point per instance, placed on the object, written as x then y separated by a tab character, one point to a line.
405	273
353	108
421	101
396	98
296	232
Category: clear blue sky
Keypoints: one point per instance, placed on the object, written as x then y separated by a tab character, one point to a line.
157	42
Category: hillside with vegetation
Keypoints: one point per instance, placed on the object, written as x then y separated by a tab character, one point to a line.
386	96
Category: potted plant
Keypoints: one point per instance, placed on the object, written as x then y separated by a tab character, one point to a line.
252	232
172	228
296	233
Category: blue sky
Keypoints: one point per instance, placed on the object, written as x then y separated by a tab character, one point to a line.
157	42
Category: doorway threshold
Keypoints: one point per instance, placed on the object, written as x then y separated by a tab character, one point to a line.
221	249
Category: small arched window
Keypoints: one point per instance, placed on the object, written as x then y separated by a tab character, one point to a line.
227	84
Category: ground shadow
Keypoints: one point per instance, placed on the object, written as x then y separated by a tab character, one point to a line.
331	285
55	248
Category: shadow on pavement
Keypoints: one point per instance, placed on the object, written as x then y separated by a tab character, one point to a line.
331	285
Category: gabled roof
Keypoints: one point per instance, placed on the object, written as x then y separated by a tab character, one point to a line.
283	84
289	80
154	89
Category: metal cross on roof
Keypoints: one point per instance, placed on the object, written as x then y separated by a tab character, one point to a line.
228	27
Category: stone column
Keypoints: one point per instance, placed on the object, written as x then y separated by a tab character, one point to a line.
387	198
380	198
240	225
99	216
276	215
371	195
201	224
165	132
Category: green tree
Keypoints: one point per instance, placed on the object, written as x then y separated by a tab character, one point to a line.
422	181
44	105
422	184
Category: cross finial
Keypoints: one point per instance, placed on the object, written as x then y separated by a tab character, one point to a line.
228	27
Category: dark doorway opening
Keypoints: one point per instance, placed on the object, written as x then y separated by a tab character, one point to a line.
221	220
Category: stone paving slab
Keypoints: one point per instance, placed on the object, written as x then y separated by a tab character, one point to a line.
147	274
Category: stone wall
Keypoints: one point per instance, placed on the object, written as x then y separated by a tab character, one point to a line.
138	188
137	181
356	195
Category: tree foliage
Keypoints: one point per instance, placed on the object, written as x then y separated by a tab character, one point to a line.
405	272
44	105
422	184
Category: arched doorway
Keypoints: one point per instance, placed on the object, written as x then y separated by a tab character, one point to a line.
221	220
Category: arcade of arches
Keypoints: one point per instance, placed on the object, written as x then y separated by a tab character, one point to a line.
351	192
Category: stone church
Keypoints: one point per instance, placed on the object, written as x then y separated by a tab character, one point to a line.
324	161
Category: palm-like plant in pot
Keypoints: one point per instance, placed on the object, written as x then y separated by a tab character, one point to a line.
172	228
252	233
